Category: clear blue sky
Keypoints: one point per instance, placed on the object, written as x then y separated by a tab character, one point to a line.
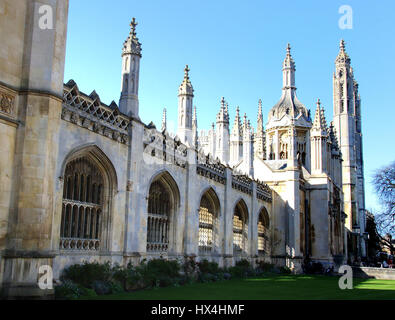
235	49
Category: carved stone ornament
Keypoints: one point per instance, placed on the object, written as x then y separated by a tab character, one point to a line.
6	103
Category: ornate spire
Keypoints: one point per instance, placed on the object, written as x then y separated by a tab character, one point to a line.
194	117
186	85
259	145
186	73
223	115
245	122
194	127
236	130
333	137
343	57
164	120
259	121
289	62
132	44
319	120
288	105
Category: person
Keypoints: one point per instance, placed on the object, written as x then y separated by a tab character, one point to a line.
385	264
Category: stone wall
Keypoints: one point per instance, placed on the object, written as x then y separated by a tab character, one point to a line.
376	273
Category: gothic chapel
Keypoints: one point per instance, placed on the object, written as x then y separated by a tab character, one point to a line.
82	180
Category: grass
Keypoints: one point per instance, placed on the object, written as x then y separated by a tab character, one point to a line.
271	287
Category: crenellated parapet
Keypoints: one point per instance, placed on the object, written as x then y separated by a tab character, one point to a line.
210	168
242	183
161	145
90	113
263	191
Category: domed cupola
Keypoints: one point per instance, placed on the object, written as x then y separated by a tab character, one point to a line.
289	107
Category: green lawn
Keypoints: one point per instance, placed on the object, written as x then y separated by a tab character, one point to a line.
277	287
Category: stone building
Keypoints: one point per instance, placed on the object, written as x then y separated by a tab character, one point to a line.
82	180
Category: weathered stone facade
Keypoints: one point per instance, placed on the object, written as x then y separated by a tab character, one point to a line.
82	180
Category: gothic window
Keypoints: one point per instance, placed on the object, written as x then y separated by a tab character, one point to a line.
207	222
283	146
263	232
125	83
159	207
82	206
240	228
126	63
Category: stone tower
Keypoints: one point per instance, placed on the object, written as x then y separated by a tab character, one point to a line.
248	153
222	135
185	103
236	140
164	121
318	139
259	145
194	128
346	119
131	55
32	60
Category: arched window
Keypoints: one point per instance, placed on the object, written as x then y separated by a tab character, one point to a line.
240	228
263	232
209	206
82	206
159	208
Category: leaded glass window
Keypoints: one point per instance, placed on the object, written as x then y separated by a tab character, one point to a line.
82	206
159	207
206	225
239	229
263	232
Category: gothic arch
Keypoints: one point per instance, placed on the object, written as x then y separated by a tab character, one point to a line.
209	211
163	201
89	185
263	231
240	228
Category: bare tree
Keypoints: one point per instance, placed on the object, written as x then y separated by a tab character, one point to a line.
384	183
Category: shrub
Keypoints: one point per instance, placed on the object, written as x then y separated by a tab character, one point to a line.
159	272
285	270
207	277
128	278
313	267
244	263
227	276
85	274
101	287
68	290
238	272
206	266
116	287
190	266
86	292
265	267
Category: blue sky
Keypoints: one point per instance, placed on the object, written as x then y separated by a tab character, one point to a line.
235	49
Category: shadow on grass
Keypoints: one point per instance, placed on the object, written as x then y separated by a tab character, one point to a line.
269	287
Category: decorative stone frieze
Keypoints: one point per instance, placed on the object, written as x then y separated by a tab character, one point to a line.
88	112
7	103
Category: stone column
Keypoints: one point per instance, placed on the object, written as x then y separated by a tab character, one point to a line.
191	231
228	219
254	223
136	204
29	244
